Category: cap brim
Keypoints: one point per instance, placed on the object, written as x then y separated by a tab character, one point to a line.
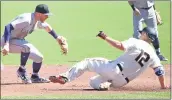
49	14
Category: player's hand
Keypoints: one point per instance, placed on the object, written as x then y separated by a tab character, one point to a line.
158	18
102	35
5	49
137	12
63	44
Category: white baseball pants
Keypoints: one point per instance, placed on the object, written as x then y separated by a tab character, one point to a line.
107	71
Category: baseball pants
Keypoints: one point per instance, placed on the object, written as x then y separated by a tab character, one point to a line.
21	45
107	72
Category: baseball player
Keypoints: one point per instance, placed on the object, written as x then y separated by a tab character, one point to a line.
144	11
13	41
138	56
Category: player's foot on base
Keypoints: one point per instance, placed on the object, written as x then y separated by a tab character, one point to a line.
37	79
162	58
23	75
58	79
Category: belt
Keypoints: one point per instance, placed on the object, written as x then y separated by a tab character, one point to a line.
146	8
121	69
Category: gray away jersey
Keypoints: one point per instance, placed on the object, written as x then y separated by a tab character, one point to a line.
143	3
25	24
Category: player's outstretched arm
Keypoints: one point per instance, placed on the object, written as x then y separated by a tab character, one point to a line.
159	71
112	42
60	39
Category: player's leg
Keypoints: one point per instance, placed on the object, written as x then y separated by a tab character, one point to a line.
137	25
152	22
100	83
37	58
89	64
118	80
17	46
27	50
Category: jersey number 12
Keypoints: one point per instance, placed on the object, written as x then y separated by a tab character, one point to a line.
142	58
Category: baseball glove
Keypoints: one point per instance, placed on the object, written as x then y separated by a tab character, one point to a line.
158	18
102	35
63	44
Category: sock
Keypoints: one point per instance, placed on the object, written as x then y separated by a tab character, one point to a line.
36	68
156	45
23	60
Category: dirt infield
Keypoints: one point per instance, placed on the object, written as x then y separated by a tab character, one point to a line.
12	86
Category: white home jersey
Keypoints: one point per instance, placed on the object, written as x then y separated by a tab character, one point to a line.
137	57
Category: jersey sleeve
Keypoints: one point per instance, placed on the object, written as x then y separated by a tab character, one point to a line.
155	62
128	43
43	25
20	22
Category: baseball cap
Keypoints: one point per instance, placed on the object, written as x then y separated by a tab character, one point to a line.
151	32
43	9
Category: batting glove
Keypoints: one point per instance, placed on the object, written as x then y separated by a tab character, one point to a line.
102	35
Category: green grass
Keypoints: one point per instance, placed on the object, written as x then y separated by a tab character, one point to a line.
79	22
141	95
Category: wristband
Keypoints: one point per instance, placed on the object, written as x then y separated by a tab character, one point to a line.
53	33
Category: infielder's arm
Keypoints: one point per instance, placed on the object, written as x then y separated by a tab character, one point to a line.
131	3
136	11
48	29
7	33
60	39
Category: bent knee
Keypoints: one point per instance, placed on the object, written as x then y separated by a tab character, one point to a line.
39	59
26	49
95	83
36	57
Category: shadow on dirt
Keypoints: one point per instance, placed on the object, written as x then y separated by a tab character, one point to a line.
123	89
68	89
12	83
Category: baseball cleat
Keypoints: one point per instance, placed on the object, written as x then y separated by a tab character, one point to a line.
162	58
23	76
37	79
58	79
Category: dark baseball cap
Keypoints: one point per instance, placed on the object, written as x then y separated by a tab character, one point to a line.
151	32
43	9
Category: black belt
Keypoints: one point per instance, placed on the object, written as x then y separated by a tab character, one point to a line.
146	8
121	69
